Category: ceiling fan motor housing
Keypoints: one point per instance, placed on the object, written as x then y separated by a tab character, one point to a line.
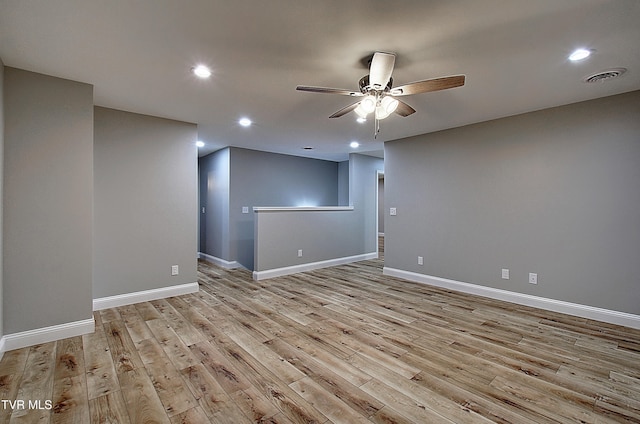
366	88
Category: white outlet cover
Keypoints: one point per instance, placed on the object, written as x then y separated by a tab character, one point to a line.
420	260
393	211
175	270
299	253
505	274
533	278
245	209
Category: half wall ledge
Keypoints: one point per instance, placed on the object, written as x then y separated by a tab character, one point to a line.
301	208
288	240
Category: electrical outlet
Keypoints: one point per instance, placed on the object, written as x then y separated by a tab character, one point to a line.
245	209
299	253
420	260
533	278
393	211
175	270
505	274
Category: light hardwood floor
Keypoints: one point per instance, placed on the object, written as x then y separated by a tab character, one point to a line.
343	345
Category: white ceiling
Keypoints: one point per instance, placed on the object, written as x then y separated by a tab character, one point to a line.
138	55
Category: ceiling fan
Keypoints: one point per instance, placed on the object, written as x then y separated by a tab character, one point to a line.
379	95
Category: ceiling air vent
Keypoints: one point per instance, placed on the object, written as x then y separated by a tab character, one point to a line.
605	75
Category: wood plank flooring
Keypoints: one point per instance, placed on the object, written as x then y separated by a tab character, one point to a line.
338	345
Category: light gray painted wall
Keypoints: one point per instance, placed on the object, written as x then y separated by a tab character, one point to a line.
48	188
322	235
343	183
553	192
270	179
233	178
381	205
261	179
1	184
145	202
214	197
363	187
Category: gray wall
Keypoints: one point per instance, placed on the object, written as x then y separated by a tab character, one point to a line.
270	179
214	197
257	179
48	185
145	202
555	192
381	205
1	185
323	235
343	183
363	187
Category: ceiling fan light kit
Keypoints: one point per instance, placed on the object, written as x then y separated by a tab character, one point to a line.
378	94
387	106
368	104
361	112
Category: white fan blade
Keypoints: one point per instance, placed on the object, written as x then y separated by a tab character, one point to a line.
381	68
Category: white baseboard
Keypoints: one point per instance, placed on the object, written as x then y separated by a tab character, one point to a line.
220	262
46	334
279	272
575	309
143	296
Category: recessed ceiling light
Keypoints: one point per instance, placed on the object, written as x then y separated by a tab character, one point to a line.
202	71
354	144
200	143
307	148
580	54
245	122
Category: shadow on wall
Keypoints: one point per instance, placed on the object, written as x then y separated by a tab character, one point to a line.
245	244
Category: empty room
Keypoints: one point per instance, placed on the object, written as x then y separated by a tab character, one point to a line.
319	211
